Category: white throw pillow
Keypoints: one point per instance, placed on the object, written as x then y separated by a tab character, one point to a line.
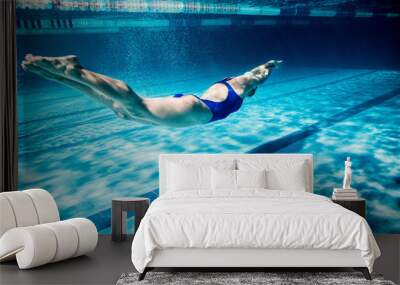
183	178
284	174
251	178
288	177
229	180
223	179
185	174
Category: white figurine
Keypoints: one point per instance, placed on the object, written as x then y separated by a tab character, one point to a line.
347	173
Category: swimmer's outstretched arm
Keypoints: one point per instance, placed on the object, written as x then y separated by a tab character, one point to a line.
257	76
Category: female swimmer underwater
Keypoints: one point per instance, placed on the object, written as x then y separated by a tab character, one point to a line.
181	110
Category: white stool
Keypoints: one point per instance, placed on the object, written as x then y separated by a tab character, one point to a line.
31	230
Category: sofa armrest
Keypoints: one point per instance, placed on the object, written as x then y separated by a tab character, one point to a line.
40	244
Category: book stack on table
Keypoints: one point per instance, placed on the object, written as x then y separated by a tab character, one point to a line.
344	194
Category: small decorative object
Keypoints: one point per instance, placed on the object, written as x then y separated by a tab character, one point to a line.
345	193
347	173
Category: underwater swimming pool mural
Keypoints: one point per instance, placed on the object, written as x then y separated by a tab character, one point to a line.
105	86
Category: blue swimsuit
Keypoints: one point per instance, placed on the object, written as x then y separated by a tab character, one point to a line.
221	110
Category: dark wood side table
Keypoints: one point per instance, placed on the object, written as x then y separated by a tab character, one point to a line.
120	207
355	205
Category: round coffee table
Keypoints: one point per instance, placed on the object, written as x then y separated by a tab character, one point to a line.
120	207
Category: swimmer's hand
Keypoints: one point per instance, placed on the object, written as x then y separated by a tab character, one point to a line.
273	63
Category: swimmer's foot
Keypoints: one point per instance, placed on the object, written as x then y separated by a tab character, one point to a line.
41	72
273	63
65	66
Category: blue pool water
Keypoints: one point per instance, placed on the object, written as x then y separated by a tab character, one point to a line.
337	95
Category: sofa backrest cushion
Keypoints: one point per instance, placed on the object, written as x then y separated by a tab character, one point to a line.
26	208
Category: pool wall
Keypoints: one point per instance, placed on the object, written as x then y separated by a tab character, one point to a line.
337	95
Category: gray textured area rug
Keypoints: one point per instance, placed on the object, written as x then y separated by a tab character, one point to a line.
268	278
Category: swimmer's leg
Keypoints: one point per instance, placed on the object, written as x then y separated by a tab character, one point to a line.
82	88
117	91
115	94
182	112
